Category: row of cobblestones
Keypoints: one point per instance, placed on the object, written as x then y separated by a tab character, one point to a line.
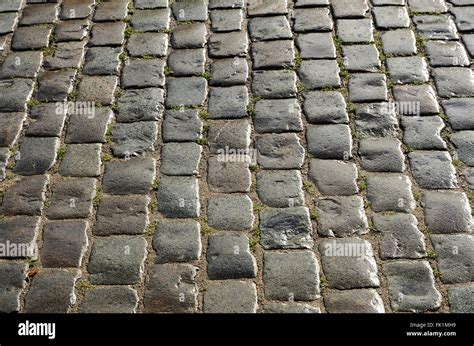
236	156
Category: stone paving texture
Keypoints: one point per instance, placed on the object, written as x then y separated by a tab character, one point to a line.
244	156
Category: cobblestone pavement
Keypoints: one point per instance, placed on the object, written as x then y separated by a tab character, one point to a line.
232	156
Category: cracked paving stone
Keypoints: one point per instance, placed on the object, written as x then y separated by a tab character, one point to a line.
270	28
191	35
458	111
25	197
312	19
366	301
460	299
72	9
325	107
280	189
134	139
37	155
288	228
109	300
276	116
226	4
401	237
12	282
405	70
47	120
150	20
316	46
178	197
377	120
111	10
349	8
423	132
446	53
117	261
274	84
291	276
391	17
412	286
72	198
230	212
273	54
289	308
267	7
367	87
330	141
188	91
227	177
447	212
54	86
421	96
355	30
187	62
52	291
180	158
190	10
182	125
229	102
229	44
361	58
177	241
74	30
147	43
10	127
464	142
98	89
107	34
456	256
102	61
334	178
20	230
31	37
171	288
317	74
341	216
134	176
349	263
122	215
433	169
143	73
382	155
399	42
390	193
230	140
14	93
227	20
81	160
228	72
88	128
134	105
66	55
432	27
280	151
64	244
229	257
454	81
21	65
230	297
